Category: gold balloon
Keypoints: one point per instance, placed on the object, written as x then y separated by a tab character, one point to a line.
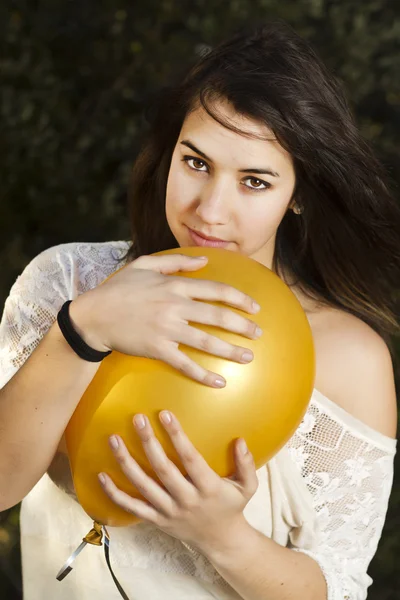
263	401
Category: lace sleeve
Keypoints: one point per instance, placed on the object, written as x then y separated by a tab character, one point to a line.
348	468
31	308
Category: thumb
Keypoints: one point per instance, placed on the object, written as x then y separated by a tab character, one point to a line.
245	474
171	263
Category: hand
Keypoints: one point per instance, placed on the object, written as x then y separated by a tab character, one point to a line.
201	509
142	311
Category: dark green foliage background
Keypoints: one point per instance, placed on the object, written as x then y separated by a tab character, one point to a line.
75	76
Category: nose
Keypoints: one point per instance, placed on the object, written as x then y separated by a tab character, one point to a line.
213	204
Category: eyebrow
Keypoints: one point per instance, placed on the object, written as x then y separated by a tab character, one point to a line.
265	171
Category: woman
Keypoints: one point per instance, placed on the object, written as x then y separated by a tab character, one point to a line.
256	151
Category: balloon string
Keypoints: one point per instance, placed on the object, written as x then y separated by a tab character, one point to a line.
107	555
94	537
66	568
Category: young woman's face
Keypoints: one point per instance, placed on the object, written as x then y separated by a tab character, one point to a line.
226	186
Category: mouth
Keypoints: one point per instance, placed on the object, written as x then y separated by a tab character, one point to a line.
200	239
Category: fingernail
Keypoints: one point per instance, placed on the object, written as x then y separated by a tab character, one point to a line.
114	442
247	356
258	332
200	257
219	382
165	417
101	478
256	307
243	447
139	421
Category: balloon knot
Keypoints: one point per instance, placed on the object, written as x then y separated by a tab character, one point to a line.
95	535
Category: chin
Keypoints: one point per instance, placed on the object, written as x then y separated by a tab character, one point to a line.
183	240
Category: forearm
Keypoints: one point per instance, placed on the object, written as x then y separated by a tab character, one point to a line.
35	407
260	569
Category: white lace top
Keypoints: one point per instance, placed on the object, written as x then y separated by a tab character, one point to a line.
346	465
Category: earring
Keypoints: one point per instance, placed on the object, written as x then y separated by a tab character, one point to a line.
298	209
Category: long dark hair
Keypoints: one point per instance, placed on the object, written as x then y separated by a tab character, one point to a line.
344	248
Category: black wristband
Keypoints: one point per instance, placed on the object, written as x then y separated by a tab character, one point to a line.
74	339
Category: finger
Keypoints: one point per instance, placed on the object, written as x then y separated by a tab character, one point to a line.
181	362
218	316
204	289
144	484
191	336
246	474
170	263
181	489
137	507
197	468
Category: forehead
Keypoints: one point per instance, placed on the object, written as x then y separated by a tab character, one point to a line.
223	144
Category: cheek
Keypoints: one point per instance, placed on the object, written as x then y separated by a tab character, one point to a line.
180	193
256	228
175	201
260	218
255	214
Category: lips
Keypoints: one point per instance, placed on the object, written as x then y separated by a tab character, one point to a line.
200	239
207	237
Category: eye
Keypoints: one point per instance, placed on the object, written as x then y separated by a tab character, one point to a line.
258	184
197	164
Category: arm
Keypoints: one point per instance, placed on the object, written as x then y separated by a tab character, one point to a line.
41	377
348	468
38	401
260	569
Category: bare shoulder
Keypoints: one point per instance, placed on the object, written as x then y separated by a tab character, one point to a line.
355	369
